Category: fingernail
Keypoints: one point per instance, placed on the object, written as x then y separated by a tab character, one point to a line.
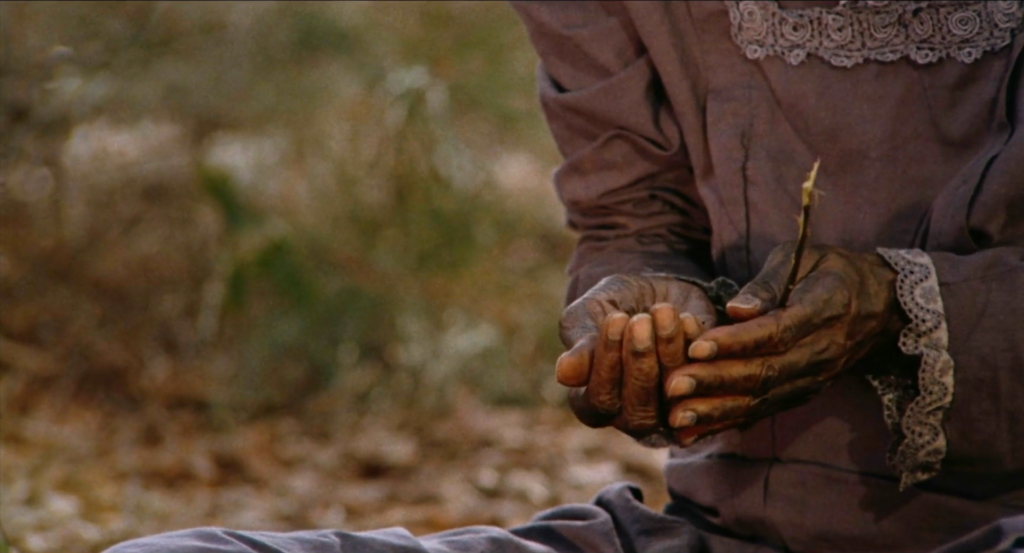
703	349
685	418
665	321
643	337
567	371
682	386
744	301
690	325
617	325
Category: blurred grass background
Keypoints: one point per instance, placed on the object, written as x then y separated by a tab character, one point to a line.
278	265
244	205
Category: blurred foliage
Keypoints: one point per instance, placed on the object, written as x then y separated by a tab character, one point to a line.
243	205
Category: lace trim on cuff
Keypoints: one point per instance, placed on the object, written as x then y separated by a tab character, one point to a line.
858	31
914	410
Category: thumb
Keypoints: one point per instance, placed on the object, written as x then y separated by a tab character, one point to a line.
578	330
762	294
573	367
580	320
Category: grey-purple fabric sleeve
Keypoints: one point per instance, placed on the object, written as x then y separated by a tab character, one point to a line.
626	180
615	522
983	299
976	244
964	297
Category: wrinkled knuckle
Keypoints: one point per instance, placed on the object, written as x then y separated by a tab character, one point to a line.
592	310
672	359
834	275
606	402
639	422
779	333
829	347
842	296
641	380
768	373
787	334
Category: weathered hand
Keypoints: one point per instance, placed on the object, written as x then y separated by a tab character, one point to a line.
842	307
622	336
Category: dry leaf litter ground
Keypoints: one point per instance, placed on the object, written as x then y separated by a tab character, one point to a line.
78	478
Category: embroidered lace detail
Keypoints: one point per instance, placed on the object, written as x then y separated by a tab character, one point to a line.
914	409
859	30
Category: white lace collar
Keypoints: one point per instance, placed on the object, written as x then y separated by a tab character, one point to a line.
858	30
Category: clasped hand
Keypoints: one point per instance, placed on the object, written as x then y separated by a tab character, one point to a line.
644	355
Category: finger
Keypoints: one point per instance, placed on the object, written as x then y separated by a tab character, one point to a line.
741	377
819	298
670	338
640	377
699	307
573	367
762	293
705	411
580	404
788	395
747	305
676	387
771	333
605	383
677	384
695	418
692	328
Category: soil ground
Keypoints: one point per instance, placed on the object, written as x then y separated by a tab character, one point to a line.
77	478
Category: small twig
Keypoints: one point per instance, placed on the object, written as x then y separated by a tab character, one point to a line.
805	225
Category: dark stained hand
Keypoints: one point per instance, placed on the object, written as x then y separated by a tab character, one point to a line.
843	306
623	336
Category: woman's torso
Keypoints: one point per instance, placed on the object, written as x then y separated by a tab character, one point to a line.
893	138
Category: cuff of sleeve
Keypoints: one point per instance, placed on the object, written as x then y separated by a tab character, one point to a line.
914	408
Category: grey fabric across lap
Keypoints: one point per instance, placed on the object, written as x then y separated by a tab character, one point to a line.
615	522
